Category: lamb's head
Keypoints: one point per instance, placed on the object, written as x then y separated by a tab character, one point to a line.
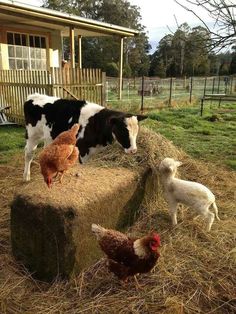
169	166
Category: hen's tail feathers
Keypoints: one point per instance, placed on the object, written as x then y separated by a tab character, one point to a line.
216	210
75	128
73	156
98	231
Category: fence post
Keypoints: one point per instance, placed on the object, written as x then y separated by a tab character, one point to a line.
202	101
107	91
171	80
191	90
218	88
213	86
103	89
231	84
142	94
52	81
205	83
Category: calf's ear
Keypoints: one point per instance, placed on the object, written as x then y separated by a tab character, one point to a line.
141	117
113	120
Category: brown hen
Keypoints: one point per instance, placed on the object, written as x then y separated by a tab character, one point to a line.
126	256
60	155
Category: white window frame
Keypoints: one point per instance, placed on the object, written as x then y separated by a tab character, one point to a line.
36	57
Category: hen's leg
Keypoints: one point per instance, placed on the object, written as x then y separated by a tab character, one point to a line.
61	176
120	270
137	283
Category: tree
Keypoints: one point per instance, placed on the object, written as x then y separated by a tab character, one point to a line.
99	52
223	12
179	41
162	58
183	53
232	67
197	60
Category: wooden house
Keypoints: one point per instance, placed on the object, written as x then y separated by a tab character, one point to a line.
31	55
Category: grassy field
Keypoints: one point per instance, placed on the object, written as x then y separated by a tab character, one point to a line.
12	141
198	136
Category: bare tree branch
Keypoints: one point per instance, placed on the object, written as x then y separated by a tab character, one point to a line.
223	12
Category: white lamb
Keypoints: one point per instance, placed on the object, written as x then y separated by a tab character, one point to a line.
192	194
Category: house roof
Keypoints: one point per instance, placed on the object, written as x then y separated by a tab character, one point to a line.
23	13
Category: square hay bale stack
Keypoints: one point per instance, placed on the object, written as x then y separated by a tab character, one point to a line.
51	228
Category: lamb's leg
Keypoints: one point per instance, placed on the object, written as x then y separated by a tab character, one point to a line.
173	212
216	210
210	218
30	147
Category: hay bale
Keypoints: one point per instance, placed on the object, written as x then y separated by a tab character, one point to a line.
50	229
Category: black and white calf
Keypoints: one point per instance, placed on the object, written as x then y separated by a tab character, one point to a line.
47	116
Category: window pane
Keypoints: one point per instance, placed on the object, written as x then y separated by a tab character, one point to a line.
11	51
19	64
32	53
38	64
10	39
38	53
12	65
23	37
32	64
43	65
26	64
43	42
25	52
17	39
43	53
31	41
18	52
37	41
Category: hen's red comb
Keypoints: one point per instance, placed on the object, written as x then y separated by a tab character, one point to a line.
157	238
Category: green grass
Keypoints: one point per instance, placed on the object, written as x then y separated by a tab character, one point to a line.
12	141
199	137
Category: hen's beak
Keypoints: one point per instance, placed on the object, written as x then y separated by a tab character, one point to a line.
49	182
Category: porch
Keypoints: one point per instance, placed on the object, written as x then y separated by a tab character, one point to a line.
31	39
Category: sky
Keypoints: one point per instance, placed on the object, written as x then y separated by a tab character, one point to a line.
159	17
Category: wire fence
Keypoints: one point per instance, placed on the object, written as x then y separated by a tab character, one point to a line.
149	93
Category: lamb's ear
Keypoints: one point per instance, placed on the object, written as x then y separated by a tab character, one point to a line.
171	168
178	163
141	117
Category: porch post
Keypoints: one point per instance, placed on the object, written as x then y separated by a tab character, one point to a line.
121	66
72	47
80	51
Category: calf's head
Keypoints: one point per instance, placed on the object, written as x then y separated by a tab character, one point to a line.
125	130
